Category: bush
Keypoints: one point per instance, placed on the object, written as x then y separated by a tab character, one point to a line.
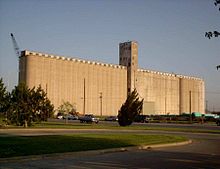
130	109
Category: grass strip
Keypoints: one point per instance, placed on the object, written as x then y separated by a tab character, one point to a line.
11	146
117	127
113	126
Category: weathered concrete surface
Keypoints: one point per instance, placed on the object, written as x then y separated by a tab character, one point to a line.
101	88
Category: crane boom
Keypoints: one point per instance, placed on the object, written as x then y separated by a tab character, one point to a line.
15	45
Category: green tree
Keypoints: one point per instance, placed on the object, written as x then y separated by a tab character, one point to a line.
3	97
41	106
130	109
211	34
19	112
4	101
217	3
28	105
66	108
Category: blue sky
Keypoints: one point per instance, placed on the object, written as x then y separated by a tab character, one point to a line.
170	34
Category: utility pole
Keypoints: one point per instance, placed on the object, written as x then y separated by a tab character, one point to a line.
165	97
100	103
190	106
165	105
206	105
84	96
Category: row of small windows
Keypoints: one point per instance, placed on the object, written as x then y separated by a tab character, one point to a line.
75	60
127	48
123	58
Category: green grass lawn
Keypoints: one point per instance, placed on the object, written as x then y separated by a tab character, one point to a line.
11	146
113	126
117	127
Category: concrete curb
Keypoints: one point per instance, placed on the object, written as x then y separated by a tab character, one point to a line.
91	152
144	147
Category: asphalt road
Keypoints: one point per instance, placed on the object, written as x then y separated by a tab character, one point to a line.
204	152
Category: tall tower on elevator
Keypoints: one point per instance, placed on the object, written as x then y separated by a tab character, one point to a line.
128	56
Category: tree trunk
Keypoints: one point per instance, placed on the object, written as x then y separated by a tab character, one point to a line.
25	124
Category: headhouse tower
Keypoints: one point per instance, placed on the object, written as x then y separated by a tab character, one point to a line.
128	56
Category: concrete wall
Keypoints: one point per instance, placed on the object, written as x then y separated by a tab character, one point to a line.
192	96
63	79
106	85
166	93
160	92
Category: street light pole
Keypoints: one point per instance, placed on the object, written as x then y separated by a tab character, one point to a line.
100	103
190	106
84	96
165	105
206	106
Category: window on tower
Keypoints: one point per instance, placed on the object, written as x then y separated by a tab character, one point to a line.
129	90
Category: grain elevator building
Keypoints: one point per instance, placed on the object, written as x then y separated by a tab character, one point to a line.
101	88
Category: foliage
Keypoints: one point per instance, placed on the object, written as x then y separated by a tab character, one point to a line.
4	95
217	2
41	105
28	105
214	33
130	109
4	103
18	104
66	108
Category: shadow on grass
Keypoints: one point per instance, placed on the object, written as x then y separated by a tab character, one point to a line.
35	145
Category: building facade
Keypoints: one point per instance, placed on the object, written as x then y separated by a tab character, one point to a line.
101	88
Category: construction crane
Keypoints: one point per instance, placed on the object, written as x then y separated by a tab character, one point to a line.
16	48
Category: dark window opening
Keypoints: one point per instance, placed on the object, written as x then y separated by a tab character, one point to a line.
129	90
